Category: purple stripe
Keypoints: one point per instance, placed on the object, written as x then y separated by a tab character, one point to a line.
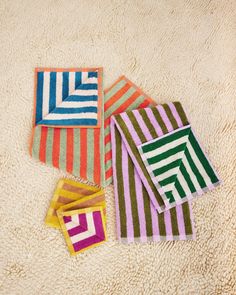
141	212
98	237
67	219
142	176
155	224
165	118
154	121
128	208
168	224
97	217
180	220
142	125
131	129
113	144
175	114
82	227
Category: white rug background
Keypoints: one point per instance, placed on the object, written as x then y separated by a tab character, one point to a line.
173	50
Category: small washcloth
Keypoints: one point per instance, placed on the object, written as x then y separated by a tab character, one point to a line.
178	166
83	229
68	115
137	219
122	96
71	195
80	211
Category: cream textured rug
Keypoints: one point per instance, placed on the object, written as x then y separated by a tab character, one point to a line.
174	50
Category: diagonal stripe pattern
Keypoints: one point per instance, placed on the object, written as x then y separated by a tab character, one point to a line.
178	167
122	96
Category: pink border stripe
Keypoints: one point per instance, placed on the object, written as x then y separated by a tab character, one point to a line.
164	117
130	229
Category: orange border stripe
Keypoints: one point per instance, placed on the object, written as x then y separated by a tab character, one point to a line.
56	147
69	150
109	173
43	144
108	156
83	153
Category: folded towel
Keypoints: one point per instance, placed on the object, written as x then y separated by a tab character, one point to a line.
178	166
83	229
66	196
68	115
136	217
122	96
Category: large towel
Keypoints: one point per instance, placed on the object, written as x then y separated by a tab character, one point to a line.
67	121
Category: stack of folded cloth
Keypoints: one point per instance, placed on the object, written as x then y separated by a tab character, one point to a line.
150	153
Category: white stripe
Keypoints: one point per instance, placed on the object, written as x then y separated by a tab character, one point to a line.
73	223
176	194
167	174
199	164
71	82
84	77
184	184
85	92
78	104
89	233
167	161
166	147
92	80
46	89
168	187
191	174
59	88
53	116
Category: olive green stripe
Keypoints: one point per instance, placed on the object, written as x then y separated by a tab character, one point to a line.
161	224
170	116
134	149
148	123
133	198
49	146
147	210
137	127
174	222
181	113
36	142
63	139
159	120
187	219
120	184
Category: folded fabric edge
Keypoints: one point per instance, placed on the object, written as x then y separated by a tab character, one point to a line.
100	94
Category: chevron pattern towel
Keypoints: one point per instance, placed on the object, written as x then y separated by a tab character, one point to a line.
136	217
83	229
73	202
68	115
178	167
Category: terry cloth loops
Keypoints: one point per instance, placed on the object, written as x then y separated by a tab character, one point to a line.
68	116
80	211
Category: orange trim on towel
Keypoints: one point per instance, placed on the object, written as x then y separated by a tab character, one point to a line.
109	173
43	144
56	147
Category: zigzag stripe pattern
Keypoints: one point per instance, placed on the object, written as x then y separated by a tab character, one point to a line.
65	99
177	166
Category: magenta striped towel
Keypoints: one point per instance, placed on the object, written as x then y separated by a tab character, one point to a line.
140	210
